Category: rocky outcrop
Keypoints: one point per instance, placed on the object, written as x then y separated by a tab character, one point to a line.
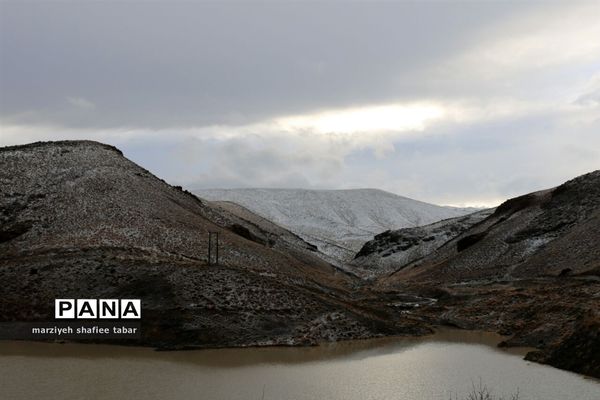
579	351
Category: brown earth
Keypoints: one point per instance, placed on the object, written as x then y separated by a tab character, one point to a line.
78	220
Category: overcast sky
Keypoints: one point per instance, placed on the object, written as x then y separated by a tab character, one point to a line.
453	103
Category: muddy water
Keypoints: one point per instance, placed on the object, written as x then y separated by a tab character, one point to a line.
437	367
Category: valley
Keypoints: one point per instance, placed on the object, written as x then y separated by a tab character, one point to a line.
79	220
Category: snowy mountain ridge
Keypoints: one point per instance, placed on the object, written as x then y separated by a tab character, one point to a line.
338	222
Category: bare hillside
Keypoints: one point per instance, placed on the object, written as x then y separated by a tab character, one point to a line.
392	250
530	270
78	220
546	233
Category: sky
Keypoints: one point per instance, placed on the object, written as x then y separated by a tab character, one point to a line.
457	103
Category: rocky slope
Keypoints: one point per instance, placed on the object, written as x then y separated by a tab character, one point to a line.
391	250
283	235
78	220
338	222
530	270
547	233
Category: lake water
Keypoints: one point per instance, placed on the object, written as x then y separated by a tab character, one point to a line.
436	367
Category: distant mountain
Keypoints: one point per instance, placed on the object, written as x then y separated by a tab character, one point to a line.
338	222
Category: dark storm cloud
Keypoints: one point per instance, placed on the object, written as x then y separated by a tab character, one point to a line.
188	64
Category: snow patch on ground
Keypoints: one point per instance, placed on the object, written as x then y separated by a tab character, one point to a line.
338	222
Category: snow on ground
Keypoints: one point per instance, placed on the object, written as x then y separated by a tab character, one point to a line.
392	250
338	222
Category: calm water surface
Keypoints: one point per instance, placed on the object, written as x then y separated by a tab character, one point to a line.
406	369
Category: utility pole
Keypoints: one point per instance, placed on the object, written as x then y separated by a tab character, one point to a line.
213	241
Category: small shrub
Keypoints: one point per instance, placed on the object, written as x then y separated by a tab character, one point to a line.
482	392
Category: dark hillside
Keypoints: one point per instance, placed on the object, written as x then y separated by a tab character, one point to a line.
78	220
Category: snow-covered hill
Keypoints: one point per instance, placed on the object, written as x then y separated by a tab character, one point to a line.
391	250
338	222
